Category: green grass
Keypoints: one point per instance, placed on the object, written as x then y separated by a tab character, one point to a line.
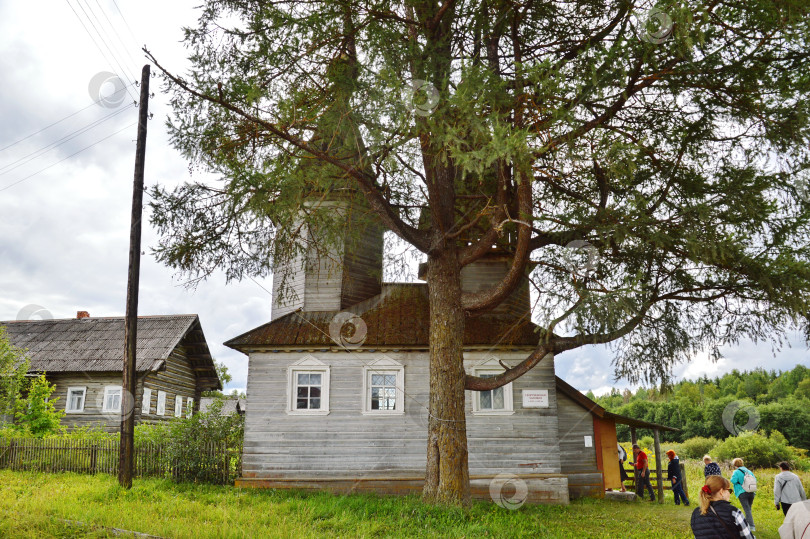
37	505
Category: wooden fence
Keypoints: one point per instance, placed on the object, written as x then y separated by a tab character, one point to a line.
209	462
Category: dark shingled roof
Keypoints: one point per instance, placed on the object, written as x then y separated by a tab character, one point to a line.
399	316
97	344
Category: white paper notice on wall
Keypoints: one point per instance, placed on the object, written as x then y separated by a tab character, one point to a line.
588	441
535	398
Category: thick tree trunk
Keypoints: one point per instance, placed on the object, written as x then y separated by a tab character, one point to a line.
447	477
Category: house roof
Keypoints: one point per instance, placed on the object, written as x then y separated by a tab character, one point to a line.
398	316
229	405
577	396
97	344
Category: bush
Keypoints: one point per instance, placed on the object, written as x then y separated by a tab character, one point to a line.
646	441
695	448
756	450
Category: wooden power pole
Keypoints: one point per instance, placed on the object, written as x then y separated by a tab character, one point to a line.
127	450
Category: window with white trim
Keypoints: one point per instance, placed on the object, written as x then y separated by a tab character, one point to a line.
75	400
112	399
496	401
189	406
308	387
178	406
161	403
146	406
383	388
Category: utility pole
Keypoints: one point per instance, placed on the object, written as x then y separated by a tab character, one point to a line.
127	449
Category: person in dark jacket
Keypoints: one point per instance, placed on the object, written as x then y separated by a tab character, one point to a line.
716	517
674	476
709	467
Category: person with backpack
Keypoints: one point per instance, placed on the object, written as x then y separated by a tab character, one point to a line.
745	485
716	517
787	488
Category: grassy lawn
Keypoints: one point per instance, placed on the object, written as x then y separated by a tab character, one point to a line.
37	505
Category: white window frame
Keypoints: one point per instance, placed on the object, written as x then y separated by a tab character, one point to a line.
108	390
146	404
178	406
161	403
492	366
189	406
311	365
68	410
385	365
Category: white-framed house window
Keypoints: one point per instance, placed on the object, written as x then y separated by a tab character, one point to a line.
161	403
496	401
75	400
112	399
383	387
146	406
178	406
308	387
189	406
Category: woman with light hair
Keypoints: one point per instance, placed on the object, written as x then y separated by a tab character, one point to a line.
715	516
746	497
710	468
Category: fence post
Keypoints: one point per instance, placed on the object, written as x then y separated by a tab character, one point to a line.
658	466
683	480
93	455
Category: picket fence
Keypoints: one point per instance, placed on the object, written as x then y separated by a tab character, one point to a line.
211	462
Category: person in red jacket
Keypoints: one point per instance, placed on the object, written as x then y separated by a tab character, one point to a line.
642	467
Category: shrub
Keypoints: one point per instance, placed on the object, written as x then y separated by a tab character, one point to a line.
35	413
695	448
646	441
756	449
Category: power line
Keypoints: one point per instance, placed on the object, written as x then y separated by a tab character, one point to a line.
117	33
95	42
96	102
131	33
121	65
9	186
106	39
70	136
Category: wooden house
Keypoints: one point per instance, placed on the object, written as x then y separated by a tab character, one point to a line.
83	357
338	389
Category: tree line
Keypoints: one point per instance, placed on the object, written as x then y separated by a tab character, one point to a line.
751	400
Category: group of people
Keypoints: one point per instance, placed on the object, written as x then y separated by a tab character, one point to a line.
641	468
715	516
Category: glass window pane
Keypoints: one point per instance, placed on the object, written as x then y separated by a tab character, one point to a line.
376	379
303	392
315	379
315	404
303	378
301	404
486	400
314	391
390	379
375	393
497	399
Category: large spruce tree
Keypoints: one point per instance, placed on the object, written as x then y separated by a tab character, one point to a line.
643	162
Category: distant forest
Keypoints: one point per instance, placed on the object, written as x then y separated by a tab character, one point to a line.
774	400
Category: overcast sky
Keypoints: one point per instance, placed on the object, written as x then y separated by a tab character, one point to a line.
65	192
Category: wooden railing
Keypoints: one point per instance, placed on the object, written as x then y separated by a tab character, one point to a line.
654	479
213	463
